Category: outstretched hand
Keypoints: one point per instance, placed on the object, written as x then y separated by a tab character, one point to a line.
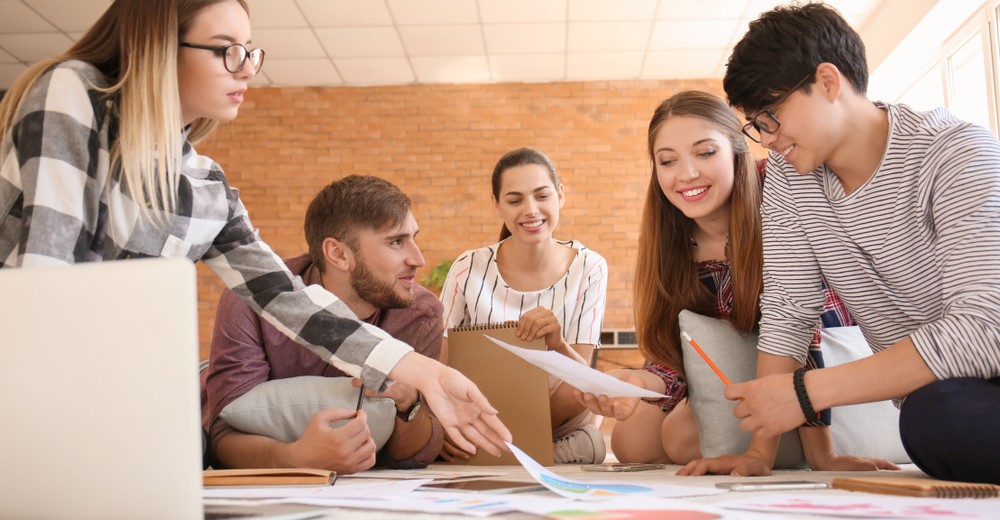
853	463
467	417
742	465
620	408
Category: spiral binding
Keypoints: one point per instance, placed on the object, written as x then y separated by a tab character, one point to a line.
509	324
965	490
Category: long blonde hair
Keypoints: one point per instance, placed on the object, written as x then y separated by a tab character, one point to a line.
134	44
666	279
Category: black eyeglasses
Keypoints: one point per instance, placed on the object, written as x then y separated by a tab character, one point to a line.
234	55
765	120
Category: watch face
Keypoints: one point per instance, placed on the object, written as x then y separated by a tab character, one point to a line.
414	410
409	415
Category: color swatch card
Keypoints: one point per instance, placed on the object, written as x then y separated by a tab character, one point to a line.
603	490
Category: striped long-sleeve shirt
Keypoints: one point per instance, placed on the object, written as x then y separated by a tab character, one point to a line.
60	203
475	294
913	252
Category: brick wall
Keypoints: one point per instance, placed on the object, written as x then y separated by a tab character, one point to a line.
439	143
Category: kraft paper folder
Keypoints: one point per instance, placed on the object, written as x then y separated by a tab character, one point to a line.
516	388
917	487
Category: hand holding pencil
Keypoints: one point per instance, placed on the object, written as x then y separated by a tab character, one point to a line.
707	359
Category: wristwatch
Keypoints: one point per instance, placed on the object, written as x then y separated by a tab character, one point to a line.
411	414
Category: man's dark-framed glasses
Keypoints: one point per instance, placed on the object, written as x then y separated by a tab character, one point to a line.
765	121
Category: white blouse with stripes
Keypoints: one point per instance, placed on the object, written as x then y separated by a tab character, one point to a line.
914	251
475	294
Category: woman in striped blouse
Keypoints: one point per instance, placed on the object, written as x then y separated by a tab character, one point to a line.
555	289
700	249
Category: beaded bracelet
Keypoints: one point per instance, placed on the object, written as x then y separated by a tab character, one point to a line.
799	382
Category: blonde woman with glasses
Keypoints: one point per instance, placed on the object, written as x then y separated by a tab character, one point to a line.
97	163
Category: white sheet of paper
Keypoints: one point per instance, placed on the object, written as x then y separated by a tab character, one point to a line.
603	490
468	504
579	376
353	490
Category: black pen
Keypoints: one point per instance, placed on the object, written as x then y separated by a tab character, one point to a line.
361	397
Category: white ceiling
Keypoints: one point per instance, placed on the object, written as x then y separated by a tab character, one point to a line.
389	42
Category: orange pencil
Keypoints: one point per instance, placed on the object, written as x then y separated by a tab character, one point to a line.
706	358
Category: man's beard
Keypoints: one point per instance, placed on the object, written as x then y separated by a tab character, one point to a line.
379	293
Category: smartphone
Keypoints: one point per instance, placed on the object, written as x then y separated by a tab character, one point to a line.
774	485
615	467
485	486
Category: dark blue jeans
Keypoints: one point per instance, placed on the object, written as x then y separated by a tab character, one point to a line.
951	429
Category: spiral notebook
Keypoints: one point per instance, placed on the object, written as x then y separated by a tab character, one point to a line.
917	487
516	388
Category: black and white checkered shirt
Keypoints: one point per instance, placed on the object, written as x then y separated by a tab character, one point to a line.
57	208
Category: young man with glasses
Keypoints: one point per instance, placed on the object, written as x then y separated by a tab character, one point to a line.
900	211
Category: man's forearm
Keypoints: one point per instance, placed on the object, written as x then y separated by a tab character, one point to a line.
416	443
244	450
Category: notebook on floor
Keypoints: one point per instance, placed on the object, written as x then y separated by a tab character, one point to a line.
99	395
517	389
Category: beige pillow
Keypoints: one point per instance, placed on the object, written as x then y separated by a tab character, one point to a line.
282	408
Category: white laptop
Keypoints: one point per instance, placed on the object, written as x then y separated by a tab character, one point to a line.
99	391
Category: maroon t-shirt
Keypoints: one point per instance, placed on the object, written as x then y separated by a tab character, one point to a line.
247	351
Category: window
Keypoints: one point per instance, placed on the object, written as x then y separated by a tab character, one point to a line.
928	92
962	77
968	80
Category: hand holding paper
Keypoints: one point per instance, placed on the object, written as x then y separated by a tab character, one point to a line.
579	376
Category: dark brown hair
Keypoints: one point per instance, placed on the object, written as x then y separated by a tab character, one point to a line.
513	159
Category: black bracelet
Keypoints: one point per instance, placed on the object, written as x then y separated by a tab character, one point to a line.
799	381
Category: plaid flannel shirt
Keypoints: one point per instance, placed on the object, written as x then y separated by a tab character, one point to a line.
60	203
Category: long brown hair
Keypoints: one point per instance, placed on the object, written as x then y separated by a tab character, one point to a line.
666	279
134	44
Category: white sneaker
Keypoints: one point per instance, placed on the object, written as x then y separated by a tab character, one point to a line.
583	446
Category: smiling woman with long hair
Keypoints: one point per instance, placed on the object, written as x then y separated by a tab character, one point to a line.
700	249
555	289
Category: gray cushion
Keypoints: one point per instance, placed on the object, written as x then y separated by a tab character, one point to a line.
735	354
868	430
282	408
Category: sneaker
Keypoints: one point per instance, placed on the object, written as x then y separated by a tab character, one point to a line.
583	446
